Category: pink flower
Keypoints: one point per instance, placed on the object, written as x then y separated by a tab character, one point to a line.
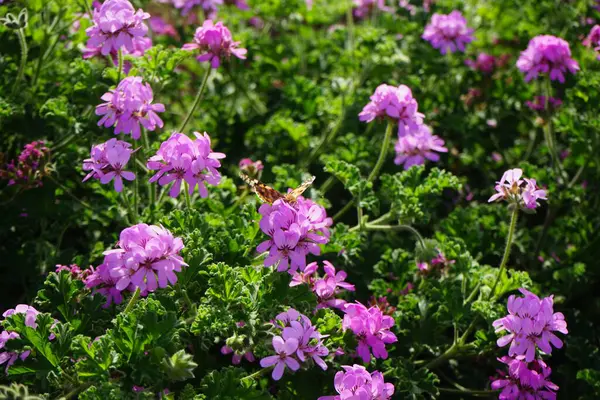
395	103
284	349
547	54
525	381
418	146
251	168
326	288
363	8
484	63
10	357
107	162
161	27
116	25
209	7
355	383
29	168
593	39
237	357
539	103
448	33
215	43
511	188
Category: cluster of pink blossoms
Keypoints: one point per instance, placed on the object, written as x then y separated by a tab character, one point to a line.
438	263
524	193
74	270
418	146
547	54
107	162
525	381
147	259
209	7
295	230
326	288
9	357
593	39
28	170
530	324
251	168
355	382
298	341
128	106
484	62
448	33
180	158
117	25
364	8
372	329
215	43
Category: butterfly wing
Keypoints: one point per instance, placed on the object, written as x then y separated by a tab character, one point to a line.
292	196
265	193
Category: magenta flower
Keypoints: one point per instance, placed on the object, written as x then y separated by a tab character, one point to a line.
116	25
28	169
284	349
326	288
147	258
525	381
547	54
416	147
539	103
364	8
295	230
484	63
237	357
180	159
251	168
530	324
593	39
30	314
355	382
128	106
448	33
372	329
161	27
10	357
511	188
107	162
395	103
215	43
209	7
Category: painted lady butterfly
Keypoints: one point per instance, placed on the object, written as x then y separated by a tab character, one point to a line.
269	195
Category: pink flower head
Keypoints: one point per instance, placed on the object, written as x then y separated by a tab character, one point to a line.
395	103
147	258
295	230
209	7
416	147
29	168
364	8
284	350
215	43
128	106
525	380
161	27
530	324
484	63
539	103
372	329
116	26
107	162
547	54
325	288
10	357
251	168
593	39
237	357
30	314
355	382
448	33
180	159
522	192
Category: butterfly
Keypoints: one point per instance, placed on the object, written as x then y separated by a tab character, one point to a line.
269	195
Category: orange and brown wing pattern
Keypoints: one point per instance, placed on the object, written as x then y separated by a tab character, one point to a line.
292	196
265	193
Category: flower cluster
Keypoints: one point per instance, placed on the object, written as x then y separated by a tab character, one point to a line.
295	230
448	33
593	39
107	162
547	54
525	381
364	8
237	357
418	146
209	7
128	106
147	259
215	43
29	168
326	288
9	357
75	271
372	329
484	62
355	382
530	324
439	262
161	27
298	341
117	26
539	103
524	193
180	158
395	103
139	48
251	168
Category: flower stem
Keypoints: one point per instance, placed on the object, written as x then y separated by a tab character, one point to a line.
88	9
188	199
120	70
196	100
350	27
136	295
24	51
509	240
135	192
255	374
549	130
151	188
371	227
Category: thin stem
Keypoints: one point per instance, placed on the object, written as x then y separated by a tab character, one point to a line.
188	199
452	350
350	27
511	232
24	51
371	227
344	210
196	100
549	131
120	70
88	9
327	185
136	295
136	190
150	186
383	153
254	375
67	191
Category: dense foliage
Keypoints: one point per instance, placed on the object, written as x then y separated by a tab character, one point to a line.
137	263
